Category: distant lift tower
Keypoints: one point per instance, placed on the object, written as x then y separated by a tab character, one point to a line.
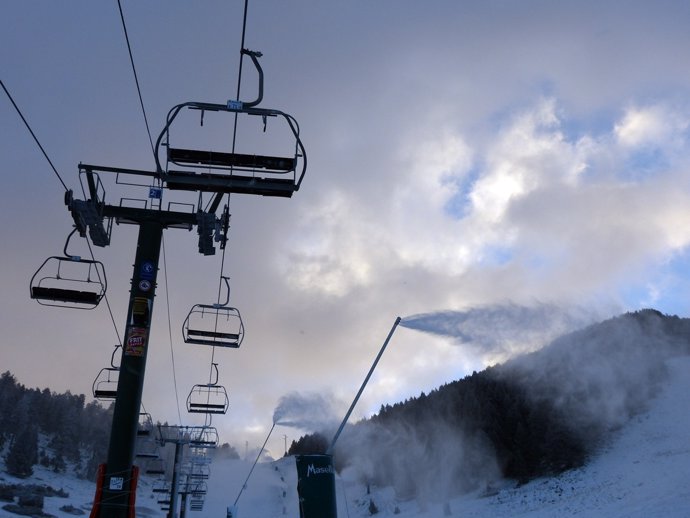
213	172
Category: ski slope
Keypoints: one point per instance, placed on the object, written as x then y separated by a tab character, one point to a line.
643	471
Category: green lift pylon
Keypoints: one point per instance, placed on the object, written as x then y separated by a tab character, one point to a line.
115	495
216	173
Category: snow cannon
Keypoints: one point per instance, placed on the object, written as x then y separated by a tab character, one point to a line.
316	486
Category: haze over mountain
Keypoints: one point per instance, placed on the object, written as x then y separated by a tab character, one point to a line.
593	424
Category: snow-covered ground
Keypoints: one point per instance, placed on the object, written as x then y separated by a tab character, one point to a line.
644	471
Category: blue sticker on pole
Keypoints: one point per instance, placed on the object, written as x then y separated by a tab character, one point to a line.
147	270
155	193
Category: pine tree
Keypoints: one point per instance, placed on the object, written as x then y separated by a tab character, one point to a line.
23	453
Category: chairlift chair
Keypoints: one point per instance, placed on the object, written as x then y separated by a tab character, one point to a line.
208	399
248	173
146	448
155	467
69	281
203	437
214	324
197	455
145	427
105	385
161	486
199	472
198	489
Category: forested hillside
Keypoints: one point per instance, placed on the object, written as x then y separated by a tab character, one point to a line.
56	430
536	415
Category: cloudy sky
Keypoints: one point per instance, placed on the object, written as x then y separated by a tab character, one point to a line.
463	155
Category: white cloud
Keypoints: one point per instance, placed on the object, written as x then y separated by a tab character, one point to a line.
548	202
650	126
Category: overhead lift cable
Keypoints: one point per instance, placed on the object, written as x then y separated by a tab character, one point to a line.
215	201
33	134
107	302
136	78
64	185
172	353
148	131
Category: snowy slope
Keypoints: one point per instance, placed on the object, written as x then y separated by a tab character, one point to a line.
644	471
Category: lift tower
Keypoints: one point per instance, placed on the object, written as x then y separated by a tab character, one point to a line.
210	173
117	479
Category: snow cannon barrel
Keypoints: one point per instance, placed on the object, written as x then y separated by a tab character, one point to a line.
316	486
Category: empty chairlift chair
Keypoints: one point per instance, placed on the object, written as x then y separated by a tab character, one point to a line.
161	486
155	467
213	324
277	173
210	398
105	385
146	448
203	437
198	473
198	489
217	325
145	427
70	281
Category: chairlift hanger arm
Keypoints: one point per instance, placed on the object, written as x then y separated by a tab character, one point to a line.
254	55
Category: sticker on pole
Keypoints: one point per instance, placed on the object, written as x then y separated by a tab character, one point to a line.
135	345
147	270
116	483
141	311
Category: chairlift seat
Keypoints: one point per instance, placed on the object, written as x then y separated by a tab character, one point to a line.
204	444
161	486
206	408
64	295
230	183
105	394
146	455
215	338
231	160
213	334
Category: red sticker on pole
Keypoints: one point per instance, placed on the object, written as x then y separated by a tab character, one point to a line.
135	345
